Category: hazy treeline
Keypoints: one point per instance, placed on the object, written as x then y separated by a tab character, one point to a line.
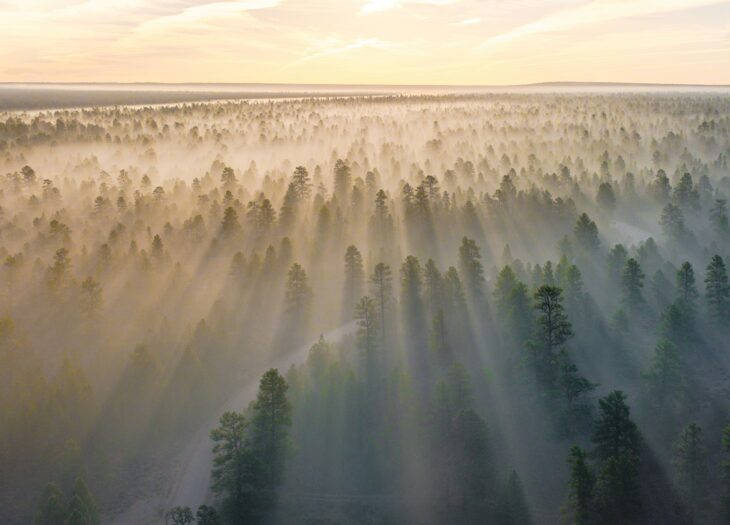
538	284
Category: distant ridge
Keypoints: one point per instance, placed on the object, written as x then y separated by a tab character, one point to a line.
29	96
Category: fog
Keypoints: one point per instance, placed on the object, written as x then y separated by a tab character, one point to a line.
482	307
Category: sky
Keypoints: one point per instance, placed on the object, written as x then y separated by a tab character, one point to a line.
432	42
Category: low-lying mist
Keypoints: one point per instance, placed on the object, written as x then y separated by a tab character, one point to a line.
426	308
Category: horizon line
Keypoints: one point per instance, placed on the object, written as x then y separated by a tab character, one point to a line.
352	85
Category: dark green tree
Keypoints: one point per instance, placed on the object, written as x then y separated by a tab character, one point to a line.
617	441
298	293
472	465
664	379
512	508
411	298
719	219
470	267
207	515
381	289
505	283
552	330
717	291
686	292
439	338
616	262
605	197
433	287
343	180
354	276
236	472
661	188
692	474
632	282
270	424
367	331
52	508
686	195
82	509
672	222
179	516
585	232
725	473
581	486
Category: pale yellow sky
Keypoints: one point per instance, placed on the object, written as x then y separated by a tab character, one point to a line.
365	41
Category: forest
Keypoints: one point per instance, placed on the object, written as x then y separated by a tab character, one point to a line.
502	308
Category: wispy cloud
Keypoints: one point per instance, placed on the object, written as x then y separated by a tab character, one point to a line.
374	6
597	11
468	22
402	41
335	47
213	10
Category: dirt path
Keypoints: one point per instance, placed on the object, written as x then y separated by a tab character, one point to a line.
192	485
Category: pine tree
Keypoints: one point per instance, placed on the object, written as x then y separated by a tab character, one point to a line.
411	287
552	330
687	291
665	381
685	194
616	262
725	473
288	212
354	276
632	281
506	282
381	289
52	509
82	509
270	424
230	225
302	183
571	384
661	187
605	197
439	339
717	291
206	515
672	222
520	313
470	267
228	176
433	287
585	232
381	222
512	506
719	219
343	180
179	516
366	317
691	463
581	485
617	442
91	297
298	292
